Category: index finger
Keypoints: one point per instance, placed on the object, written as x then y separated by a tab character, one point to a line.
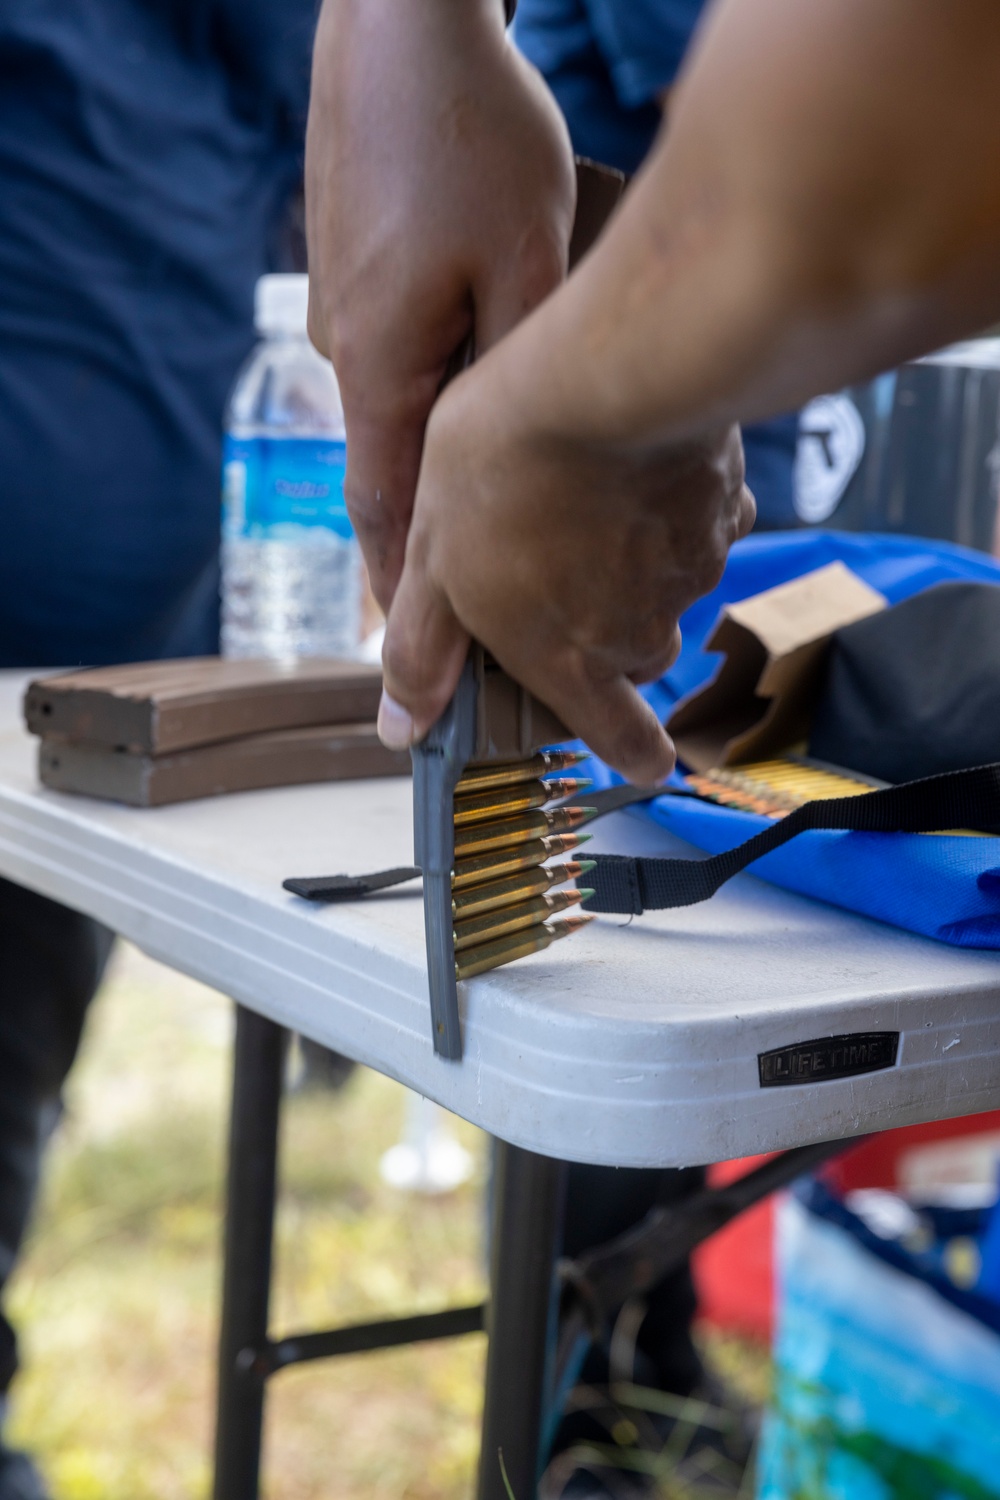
609	714
383	462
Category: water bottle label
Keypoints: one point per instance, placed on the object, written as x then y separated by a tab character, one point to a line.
273	487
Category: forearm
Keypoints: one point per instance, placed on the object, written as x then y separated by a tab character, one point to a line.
826	203
439	197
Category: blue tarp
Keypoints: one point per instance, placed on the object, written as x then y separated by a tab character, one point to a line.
947	887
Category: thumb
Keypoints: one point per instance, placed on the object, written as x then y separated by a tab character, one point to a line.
422	658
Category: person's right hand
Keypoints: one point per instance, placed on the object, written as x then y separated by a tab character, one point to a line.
571	560
440	194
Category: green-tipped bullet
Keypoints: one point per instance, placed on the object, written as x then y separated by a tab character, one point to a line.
505	950
512	918
495	894
487	778
485	867
481	838
507	802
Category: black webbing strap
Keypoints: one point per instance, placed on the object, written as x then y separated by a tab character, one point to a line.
348	887
352	887
630	885
613	798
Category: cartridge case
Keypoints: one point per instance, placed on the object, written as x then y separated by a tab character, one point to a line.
507	802
492	896
502	802
488	777
493	866
494	924
481	838
505	950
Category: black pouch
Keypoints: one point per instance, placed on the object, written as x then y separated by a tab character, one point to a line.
915	690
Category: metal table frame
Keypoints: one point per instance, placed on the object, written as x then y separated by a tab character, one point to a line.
664	1067
528	1287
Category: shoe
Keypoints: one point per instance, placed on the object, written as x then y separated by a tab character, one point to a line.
19	1479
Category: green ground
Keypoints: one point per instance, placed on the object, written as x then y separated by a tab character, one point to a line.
116	1296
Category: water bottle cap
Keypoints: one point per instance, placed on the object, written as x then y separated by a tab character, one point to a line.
280	304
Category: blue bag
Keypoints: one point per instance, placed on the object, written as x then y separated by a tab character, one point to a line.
887	1375
943	886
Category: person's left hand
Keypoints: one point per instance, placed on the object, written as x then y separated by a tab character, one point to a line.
571	562
439	202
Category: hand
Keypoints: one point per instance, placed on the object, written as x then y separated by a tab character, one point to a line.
440	194
571	562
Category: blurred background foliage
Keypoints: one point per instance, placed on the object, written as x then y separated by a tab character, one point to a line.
117	1293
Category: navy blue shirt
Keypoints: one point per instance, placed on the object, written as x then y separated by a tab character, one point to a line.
147	152
608	62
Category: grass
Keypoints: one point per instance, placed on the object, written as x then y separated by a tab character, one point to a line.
116	1295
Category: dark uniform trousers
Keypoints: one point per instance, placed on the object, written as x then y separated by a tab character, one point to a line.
51	963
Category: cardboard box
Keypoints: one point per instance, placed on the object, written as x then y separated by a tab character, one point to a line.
760	701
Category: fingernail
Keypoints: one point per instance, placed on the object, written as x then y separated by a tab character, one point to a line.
395	725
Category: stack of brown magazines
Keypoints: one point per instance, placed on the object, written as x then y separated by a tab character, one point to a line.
151	733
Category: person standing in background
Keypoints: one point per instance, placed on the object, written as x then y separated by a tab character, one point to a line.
611	65
148	155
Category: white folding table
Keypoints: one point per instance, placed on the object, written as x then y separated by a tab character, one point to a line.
642	1043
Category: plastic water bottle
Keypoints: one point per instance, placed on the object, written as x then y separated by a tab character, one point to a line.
291	565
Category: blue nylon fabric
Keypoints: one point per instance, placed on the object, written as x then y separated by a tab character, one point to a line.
943	886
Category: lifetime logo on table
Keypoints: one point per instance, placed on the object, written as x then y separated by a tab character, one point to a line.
829	1057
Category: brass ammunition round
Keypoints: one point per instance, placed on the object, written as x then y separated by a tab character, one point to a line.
495	924
565	786
505	950
485	867
480	838
499	893
489	776
503	803
496	894
507	802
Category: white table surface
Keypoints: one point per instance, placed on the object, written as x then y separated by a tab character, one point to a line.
633	1043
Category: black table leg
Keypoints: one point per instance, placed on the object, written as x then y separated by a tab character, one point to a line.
522	1365
528	1195
252	1176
